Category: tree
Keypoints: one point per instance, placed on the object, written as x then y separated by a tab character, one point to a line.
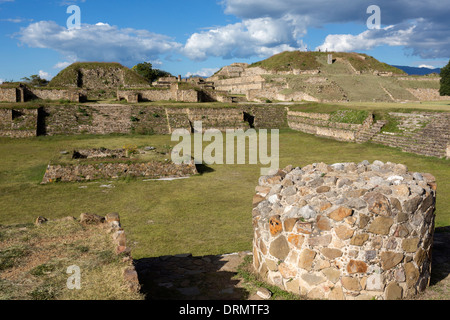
35	81
145	69
445	81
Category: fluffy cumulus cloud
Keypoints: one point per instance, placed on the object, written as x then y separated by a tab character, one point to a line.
45	75
419	25
252	37
204	72
97	42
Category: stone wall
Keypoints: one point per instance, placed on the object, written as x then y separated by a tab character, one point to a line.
240	85
134	96
319	124
8	95
52	94
24	93
18	123
346	231
114	170
425	133
424	94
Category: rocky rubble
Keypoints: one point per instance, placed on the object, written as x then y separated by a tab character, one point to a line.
345	231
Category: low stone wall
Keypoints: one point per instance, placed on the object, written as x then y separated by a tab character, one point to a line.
135	96
319	124
423	94
346	231
104	170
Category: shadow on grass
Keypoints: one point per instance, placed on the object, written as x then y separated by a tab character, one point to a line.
203	168
440	267
185	277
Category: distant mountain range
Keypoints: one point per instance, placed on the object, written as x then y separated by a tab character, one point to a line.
418	71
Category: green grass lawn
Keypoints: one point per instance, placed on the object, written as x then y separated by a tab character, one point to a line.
209	213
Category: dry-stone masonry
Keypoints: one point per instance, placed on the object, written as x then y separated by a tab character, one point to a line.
345	231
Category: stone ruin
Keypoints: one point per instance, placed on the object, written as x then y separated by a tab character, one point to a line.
114	164
345	231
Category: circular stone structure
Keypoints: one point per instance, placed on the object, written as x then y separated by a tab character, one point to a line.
346	230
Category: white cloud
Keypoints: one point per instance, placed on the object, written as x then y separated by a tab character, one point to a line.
204	72
45	75
100	42
366	40
1	81
252	37
426	66
430	40
62	65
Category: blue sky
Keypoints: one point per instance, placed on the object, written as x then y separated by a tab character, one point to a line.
200	36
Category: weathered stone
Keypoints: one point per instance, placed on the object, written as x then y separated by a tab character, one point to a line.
112	217
264	293
351	283
356	266
313	279
378	204
296	240
279	248
304	227
341	213
293	286
286	271
324	240
412	274
324	206
275	225
344	232
289	224
257	199
272	265
130	277
410	244
40	220
316	294
401	190
330	253
375	282
393	291
410	206
390	259
401	231
399	275
420	256
87	218
307	212
355	193
336	294
391	244
359	239
381	225
323	189
370	255
323	223
357	203
306	259
289	191
427	203
363	220
332	274
396	206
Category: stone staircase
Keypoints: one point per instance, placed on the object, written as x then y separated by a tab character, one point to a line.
367	133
